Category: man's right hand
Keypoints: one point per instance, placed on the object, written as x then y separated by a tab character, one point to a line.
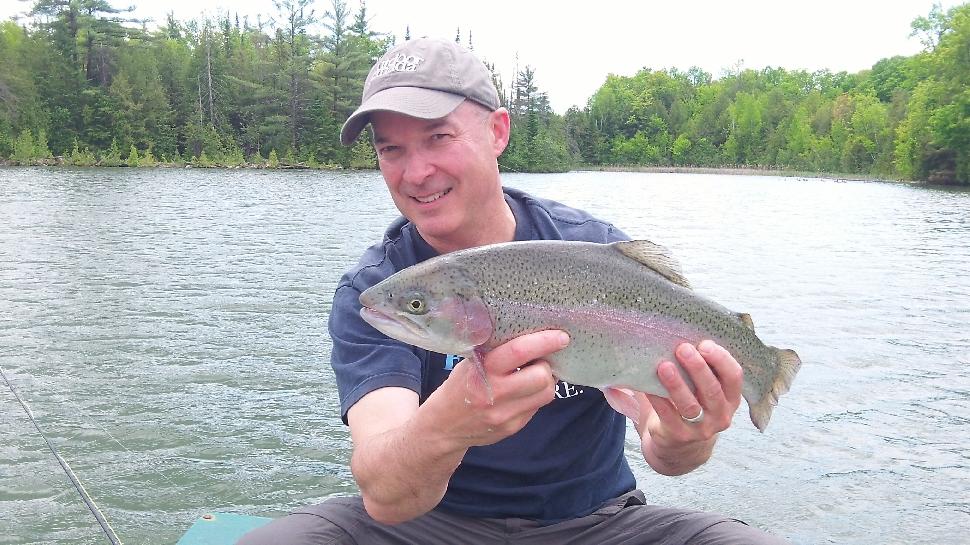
520	381
405	454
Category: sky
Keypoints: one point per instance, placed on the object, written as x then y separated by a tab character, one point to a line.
573	49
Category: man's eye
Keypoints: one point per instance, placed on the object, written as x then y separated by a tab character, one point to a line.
384	150
440	136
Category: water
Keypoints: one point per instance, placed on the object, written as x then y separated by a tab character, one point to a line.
168	328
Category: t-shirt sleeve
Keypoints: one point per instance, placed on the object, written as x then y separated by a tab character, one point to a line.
615	235
364	359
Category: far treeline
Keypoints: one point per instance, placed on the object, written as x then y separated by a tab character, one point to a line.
83	84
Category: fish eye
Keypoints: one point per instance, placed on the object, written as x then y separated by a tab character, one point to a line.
416	305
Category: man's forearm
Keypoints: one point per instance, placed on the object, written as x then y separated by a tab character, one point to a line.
404	472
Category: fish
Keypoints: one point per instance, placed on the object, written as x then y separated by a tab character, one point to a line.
625	305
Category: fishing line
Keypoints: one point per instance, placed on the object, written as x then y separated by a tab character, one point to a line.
104	430
88	501
154	462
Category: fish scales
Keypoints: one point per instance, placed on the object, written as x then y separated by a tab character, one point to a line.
569	291
625	306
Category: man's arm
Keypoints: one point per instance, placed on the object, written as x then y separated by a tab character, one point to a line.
671	445
405	453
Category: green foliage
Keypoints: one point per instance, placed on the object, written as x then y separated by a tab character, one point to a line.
41	150
23	148
311	160
362	155
81	157
111	157
148	159
79	81
133	159
202	161
6	141
908	117
233	156
29	149
680	149
538	142
290	158
211	86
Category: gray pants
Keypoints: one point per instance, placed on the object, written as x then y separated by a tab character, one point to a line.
624	520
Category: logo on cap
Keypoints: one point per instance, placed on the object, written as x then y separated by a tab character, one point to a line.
398	63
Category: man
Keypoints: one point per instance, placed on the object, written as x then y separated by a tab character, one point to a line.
436	461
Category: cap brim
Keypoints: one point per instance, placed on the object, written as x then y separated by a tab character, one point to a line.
410	101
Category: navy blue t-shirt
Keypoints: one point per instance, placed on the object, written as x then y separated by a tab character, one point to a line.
566	462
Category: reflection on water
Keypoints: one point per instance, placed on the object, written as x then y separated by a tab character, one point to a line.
168	329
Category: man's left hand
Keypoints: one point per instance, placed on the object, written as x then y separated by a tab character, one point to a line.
677	435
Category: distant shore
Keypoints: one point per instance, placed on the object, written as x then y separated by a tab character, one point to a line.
268	165
279	165
739	171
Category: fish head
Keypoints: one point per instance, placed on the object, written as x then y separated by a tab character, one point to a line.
435	308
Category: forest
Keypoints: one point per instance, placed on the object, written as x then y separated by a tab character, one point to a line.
85	84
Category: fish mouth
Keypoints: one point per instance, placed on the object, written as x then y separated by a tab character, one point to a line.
396	326
428	199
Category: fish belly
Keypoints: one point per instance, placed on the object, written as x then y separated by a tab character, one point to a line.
614	347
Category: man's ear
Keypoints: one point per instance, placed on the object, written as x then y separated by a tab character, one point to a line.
499	125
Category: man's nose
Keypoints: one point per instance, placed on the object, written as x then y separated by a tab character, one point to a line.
418	167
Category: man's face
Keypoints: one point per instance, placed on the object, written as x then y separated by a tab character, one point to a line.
442	173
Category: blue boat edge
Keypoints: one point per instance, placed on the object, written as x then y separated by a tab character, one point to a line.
220	529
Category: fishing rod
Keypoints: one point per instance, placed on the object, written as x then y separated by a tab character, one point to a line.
88	501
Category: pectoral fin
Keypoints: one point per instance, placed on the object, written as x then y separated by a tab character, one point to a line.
623	402
478	379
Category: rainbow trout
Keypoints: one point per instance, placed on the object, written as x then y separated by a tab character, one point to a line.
626	306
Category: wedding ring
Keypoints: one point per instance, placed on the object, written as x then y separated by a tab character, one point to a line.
695	419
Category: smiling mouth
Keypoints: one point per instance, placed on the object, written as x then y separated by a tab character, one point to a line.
433	197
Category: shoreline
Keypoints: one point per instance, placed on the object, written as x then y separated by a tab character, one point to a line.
60	162
745	171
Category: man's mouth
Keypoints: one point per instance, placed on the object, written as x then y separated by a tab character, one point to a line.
432	197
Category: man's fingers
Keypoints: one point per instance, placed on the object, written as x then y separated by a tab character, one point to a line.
521	350
707	388
681	397
725	367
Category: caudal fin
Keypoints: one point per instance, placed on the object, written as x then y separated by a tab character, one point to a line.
788	364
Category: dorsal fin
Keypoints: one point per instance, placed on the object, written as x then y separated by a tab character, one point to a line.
746	320
656	257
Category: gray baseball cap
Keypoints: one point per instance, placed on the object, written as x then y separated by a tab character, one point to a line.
424	78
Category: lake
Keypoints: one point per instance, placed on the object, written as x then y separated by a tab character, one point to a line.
168	329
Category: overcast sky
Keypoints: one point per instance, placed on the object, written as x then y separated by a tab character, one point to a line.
574	48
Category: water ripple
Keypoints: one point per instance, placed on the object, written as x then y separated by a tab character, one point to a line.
169	331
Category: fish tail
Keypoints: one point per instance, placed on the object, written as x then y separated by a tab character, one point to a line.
787	365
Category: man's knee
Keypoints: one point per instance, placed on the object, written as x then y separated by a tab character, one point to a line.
297	529
328	523
734	532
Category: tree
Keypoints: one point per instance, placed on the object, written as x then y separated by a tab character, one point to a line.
294	50
930	29
348	51
743	145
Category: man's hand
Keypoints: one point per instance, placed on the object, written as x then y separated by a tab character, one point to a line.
520	381
671	444
405	453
